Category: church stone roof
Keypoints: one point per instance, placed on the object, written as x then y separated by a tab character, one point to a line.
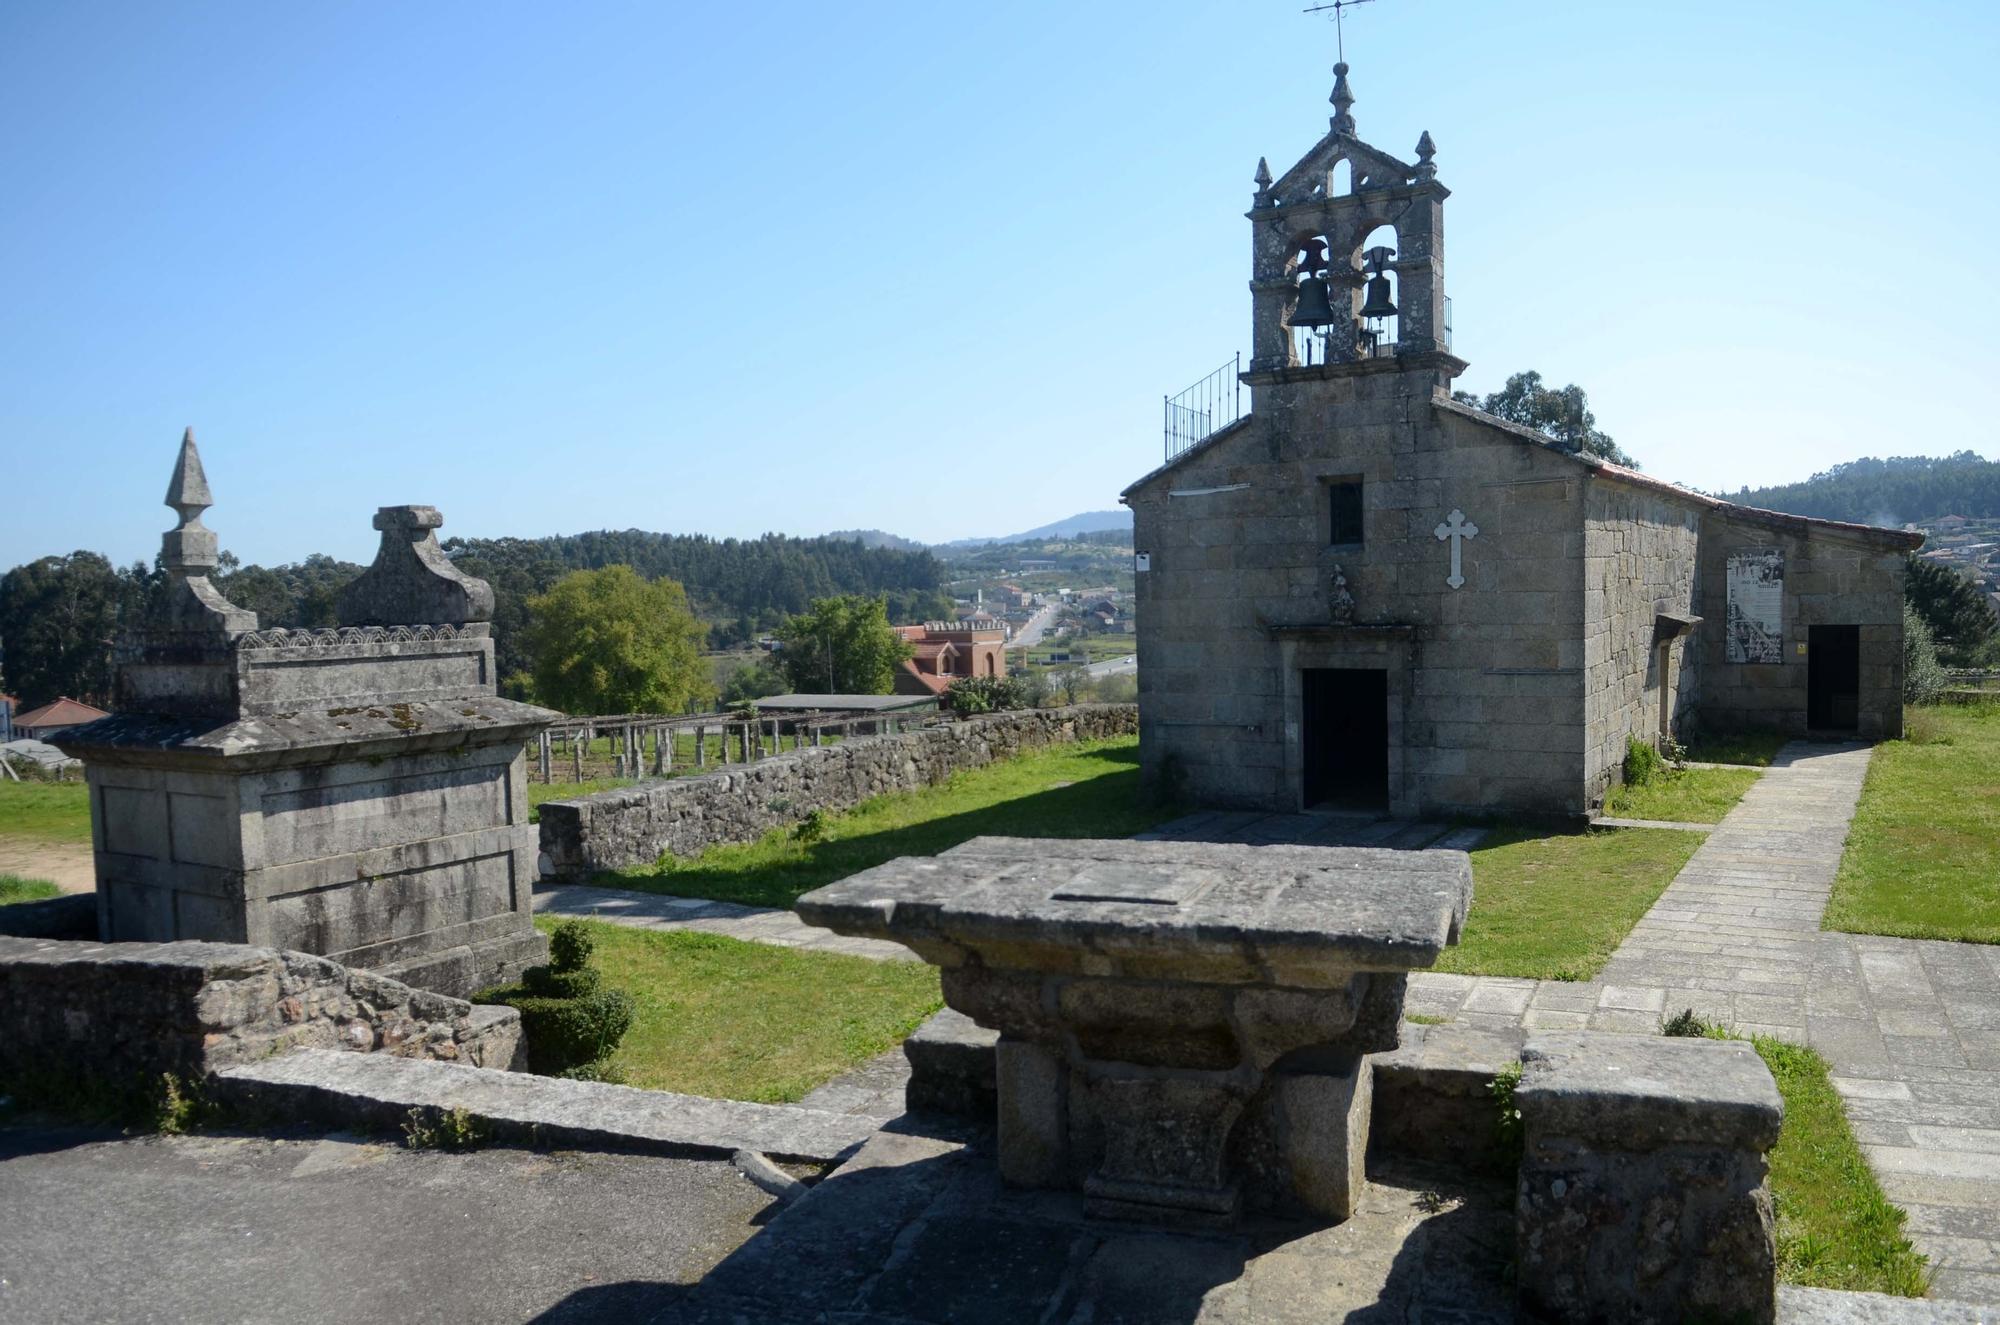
1906	540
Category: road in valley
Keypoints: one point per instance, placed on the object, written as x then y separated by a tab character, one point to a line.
1034	628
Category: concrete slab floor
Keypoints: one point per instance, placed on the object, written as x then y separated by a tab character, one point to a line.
109	1229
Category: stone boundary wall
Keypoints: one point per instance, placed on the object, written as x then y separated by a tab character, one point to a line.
685	816
124	1012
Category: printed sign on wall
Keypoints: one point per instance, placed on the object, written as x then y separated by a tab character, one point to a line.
1755	612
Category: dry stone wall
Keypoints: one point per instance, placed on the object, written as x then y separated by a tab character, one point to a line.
124	1012
685	816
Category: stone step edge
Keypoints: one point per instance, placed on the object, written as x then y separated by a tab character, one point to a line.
380	1089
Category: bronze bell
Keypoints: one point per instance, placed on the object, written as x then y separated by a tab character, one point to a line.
1378	303
1314	309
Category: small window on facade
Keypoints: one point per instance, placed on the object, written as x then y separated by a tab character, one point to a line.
1344	506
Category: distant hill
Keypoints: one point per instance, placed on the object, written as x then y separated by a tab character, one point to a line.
1896	491
876	538
1087	522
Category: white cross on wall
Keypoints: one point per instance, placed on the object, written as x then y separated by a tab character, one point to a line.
1455	530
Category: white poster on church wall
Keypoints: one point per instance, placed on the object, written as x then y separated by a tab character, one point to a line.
1755	611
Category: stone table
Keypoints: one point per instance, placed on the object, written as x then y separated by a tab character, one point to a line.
1182	1024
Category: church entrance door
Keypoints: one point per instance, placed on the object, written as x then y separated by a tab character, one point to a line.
1833	678
1345	737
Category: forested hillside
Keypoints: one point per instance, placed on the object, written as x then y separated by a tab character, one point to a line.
1896	491
59	615
739	586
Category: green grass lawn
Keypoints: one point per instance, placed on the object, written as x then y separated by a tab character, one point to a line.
1554	906
1835	1227
1682	795
1756	749
562	791
1090	789
14	888
719	1017
45	811
1923	855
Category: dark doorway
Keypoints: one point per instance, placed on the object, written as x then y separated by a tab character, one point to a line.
1345	736
1833	678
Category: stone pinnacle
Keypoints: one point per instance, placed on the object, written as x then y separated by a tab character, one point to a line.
1342	99
187	491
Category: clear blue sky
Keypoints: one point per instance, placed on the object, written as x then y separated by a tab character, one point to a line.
927	267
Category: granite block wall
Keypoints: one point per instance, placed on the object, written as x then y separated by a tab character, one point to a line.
127	1012
1830	580
1486	693
685	816
1641	550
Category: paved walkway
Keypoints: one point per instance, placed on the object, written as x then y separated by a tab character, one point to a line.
754	924
1911	1028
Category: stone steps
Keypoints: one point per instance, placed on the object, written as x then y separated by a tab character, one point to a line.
352	1088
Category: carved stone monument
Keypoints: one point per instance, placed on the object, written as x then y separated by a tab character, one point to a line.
358	792
1182	1025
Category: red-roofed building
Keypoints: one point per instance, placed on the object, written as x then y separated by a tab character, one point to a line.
51	720
947	650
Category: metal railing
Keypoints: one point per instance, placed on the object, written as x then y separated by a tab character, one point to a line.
1205	408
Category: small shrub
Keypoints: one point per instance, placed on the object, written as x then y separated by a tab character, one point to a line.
811	829
1686	1025
570	946
986	694
180	1106
1923	676
567	1033
547	982
1511	1137
1642	763
608	1073
444	1129
569	1019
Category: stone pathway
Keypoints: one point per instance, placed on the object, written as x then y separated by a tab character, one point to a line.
1734	937
1734	934
754	924
1911	1028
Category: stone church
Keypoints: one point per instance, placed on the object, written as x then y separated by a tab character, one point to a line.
1364	593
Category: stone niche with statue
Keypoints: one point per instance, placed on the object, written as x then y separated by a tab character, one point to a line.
357	792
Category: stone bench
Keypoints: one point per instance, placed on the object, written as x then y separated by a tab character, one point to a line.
1182	1025
1644	1190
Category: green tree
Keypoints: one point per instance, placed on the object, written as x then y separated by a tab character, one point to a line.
1070	681
842	646
1923	677
755	680
986	694
1560	414
1960	619
58	617
607	641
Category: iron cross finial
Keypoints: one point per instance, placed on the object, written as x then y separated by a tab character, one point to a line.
1339	35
